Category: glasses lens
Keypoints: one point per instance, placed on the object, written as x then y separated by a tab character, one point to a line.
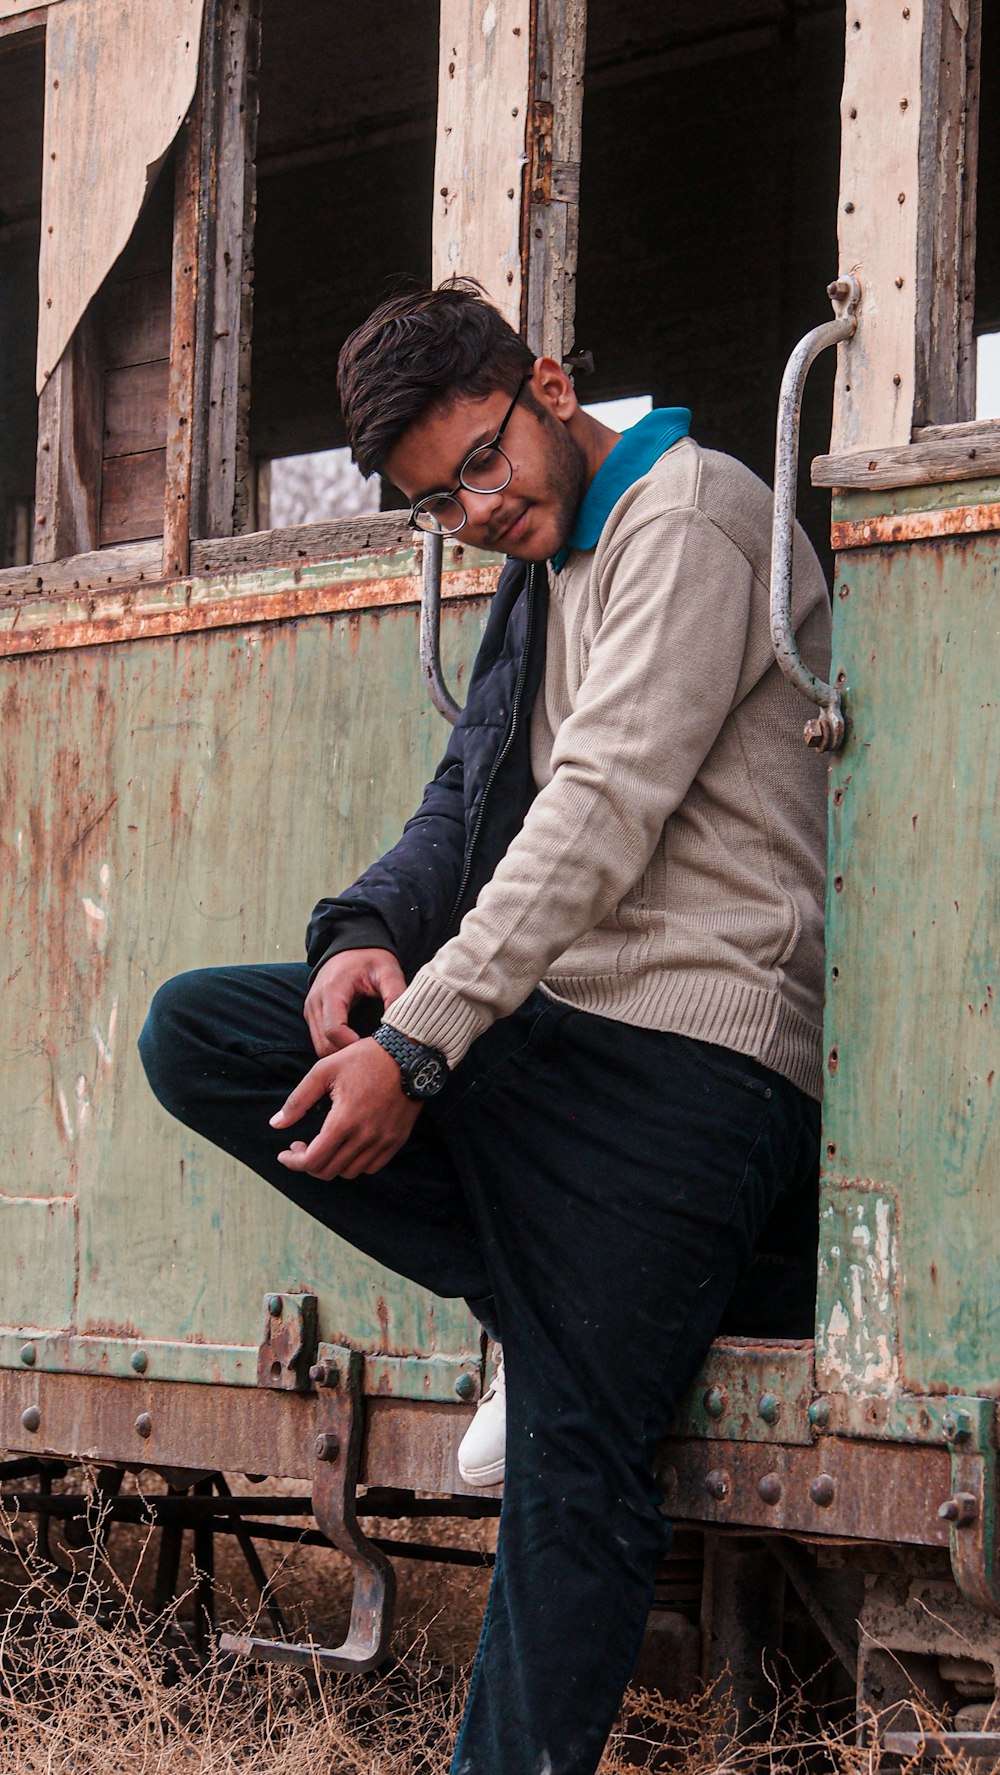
440	514
487	470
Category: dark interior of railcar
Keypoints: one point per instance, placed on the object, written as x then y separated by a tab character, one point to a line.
22	82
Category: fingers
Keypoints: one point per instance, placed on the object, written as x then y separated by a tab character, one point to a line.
315	1085
326	1012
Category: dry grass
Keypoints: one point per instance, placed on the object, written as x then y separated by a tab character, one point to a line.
92	1683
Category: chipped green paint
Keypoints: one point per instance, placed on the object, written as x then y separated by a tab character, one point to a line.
850	506
165	804
912	971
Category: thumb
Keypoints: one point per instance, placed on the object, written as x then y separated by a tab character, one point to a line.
389	980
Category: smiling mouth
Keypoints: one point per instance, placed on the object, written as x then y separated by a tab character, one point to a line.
502	536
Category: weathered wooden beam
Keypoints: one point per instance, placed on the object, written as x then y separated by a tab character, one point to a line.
946	228
68	474
23	23
938	453
227	205
183	334
507	167
551	204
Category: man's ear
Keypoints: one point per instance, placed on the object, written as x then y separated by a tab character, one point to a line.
553	388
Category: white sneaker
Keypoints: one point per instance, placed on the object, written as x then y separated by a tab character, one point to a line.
483	1447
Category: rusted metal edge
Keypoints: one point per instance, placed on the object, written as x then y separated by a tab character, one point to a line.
944	1746
752	1391
948	1421
442	1378
408	1444
836	1489
139	613
963	520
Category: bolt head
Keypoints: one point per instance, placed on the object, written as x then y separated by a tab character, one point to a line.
139	1361
819	1414
31	1418
718	1484
28	1355
770	1488
327	1446
325	1374
769	1407
275	1305
957	1425
465	1386
144	1425
822	1490
714	1401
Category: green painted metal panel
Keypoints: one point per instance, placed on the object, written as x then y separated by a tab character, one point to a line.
166	804
911	1119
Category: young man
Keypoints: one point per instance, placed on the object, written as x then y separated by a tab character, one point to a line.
598	948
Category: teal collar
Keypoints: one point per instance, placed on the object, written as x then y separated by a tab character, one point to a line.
634	454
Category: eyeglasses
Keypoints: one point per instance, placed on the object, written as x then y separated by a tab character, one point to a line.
486	469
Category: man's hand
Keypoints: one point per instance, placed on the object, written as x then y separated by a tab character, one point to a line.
369	1121
345	978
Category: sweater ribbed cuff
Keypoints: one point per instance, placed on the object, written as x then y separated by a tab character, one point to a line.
435	1015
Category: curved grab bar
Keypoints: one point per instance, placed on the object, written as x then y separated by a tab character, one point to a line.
430	627
825	731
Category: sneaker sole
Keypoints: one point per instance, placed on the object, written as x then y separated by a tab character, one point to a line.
490	1475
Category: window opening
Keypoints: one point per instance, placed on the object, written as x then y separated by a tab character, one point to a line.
22	90
344	201
313	488
626	410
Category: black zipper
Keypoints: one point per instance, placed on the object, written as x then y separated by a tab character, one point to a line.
504	749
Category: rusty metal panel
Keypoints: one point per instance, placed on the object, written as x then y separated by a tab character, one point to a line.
859	1490
168	803
751	1390
910	1247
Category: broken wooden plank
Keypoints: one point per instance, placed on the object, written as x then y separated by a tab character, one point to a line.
956	453
337	537
68	475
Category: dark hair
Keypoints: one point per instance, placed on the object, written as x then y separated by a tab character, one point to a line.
418	348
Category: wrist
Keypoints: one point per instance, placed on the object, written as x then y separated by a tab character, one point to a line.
423	1070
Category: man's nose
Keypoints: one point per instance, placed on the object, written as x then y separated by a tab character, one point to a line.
481	508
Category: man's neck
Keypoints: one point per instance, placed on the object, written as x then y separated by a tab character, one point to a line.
594	440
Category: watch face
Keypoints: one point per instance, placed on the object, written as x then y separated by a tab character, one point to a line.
426	1077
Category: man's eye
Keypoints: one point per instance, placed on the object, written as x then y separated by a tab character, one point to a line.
485	467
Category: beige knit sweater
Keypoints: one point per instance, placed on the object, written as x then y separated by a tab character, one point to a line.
669	873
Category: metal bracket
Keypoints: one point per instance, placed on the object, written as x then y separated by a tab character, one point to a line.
827	730
288	1341
339	1374
430	627
971	1510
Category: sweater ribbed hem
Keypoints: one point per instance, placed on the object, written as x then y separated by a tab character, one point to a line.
752	1020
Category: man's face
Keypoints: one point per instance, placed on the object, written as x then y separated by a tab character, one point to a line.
533	515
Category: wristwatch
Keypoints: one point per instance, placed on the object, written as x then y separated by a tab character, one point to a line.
424	1071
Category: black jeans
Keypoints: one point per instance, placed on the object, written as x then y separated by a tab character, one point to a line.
595	1190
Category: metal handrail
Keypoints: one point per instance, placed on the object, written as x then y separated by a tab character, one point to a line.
430	627
827	730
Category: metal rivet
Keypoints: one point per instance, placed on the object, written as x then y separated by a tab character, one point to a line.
465	1386
275	1305
849	209
31	1418
819	1413
28	1355
962	1509
327	1446
769	1407
144	1425
718	1484
714	1401
770	1488
325	1374
139	1361
957	1426
821	1490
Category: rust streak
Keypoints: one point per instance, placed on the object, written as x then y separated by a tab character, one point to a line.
84	833
962	520
140	624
